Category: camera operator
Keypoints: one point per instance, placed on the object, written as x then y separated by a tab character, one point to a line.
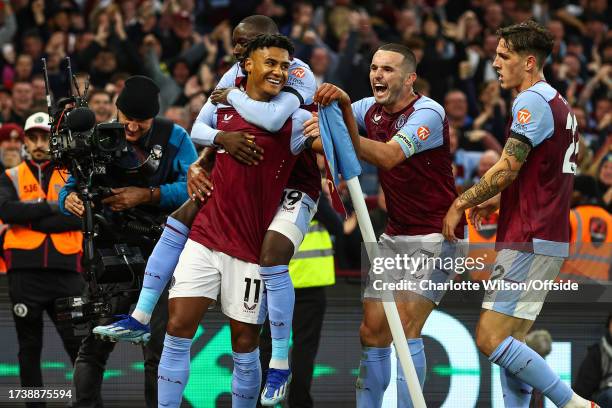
42	249
156	192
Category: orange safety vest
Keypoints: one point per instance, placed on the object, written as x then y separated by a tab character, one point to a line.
482	244
3	228
591	236
29	190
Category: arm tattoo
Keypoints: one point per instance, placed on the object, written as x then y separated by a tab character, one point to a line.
518	149
484	189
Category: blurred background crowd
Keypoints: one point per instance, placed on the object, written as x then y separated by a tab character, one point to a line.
186	46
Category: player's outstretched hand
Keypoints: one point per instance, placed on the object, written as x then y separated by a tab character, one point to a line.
311	126
241	146
220	95
199	185
327	93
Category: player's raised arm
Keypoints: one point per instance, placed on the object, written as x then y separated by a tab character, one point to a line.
326	94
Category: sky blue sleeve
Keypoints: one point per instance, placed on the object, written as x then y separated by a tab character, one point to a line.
68	188
532	117
302	81
360	108
228	80
297	130
423	130
267	115
203	132
172	195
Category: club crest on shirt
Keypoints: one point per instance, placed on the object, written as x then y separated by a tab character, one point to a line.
423	132
298	72
523	116
400	122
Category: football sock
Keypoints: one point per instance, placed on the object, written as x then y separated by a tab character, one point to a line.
173	371
246	379
160	268
516	393
374	376
417	351
281	299
527	366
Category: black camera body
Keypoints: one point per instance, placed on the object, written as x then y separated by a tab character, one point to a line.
112	259
76	140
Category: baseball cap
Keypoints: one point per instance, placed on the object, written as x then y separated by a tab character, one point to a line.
39	120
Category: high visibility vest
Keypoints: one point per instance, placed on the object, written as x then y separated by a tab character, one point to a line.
482	244
590	237
313	263
3	228
29	190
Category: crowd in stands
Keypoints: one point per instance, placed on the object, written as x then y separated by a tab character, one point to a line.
186	45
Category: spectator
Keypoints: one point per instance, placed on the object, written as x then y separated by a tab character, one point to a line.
456	107
487	160
39	92
23	68
320	64
493	17
22	102
594	380
605	180
100	103
492	111
178	115
6	105
11	145
8	24
33	45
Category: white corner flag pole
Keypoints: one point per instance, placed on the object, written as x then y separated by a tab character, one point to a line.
393	318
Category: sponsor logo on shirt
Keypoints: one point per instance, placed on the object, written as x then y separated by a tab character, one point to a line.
523	116
298	72
406	140
401	121
423	132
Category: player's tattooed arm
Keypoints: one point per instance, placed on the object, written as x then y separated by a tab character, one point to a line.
500	176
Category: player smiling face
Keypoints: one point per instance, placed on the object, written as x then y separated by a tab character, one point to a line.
390	77
268	70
